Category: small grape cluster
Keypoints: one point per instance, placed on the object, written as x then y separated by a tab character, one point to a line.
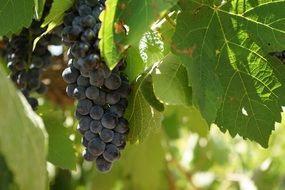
101	93
26	66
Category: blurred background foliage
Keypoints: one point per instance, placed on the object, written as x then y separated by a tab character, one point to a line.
179	156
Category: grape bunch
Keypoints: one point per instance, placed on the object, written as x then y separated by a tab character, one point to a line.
101	93
26	65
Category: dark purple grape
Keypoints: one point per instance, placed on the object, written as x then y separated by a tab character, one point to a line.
88	135
122	126
84	123
111	153
96	147
117	109
79	92
70	89
83	81
113	82
109	120
112	98
103	165
84	106
84	10
96	126
96	112
118	139
70	75
92	92
106	135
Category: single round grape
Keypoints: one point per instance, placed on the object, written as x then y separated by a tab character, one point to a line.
118	139
70	89
70	75
84	10
117	109
84	123
103	165
106	135
88	21
113	82
112	98
88	135
91	62
88	35
97	78
79	92
88	156
92	92
122	126
74	33
82	81
84	106
111	153
96	112
96	127
109	120
68	18
96	146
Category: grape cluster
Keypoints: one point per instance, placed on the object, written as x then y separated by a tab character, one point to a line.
26	66
101	93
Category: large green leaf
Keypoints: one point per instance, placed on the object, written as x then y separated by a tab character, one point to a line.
61	152
225	48
139	15
107	43
141	116
14	15
22	139
171	83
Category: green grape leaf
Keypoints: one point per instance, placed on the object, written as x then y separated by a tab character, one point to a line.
141	116
135	64
14	15
147	91
56	13
107	43
170	82
225	47
22	139
138	16
143	57
61	152
39	7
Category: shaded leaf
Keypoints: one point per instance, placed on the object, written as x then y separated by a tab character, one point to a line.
225	51
141	116
14	15
170	82
22	139
147	91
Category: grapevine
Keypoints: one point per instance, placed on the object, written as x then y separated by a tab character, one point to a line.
101	93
